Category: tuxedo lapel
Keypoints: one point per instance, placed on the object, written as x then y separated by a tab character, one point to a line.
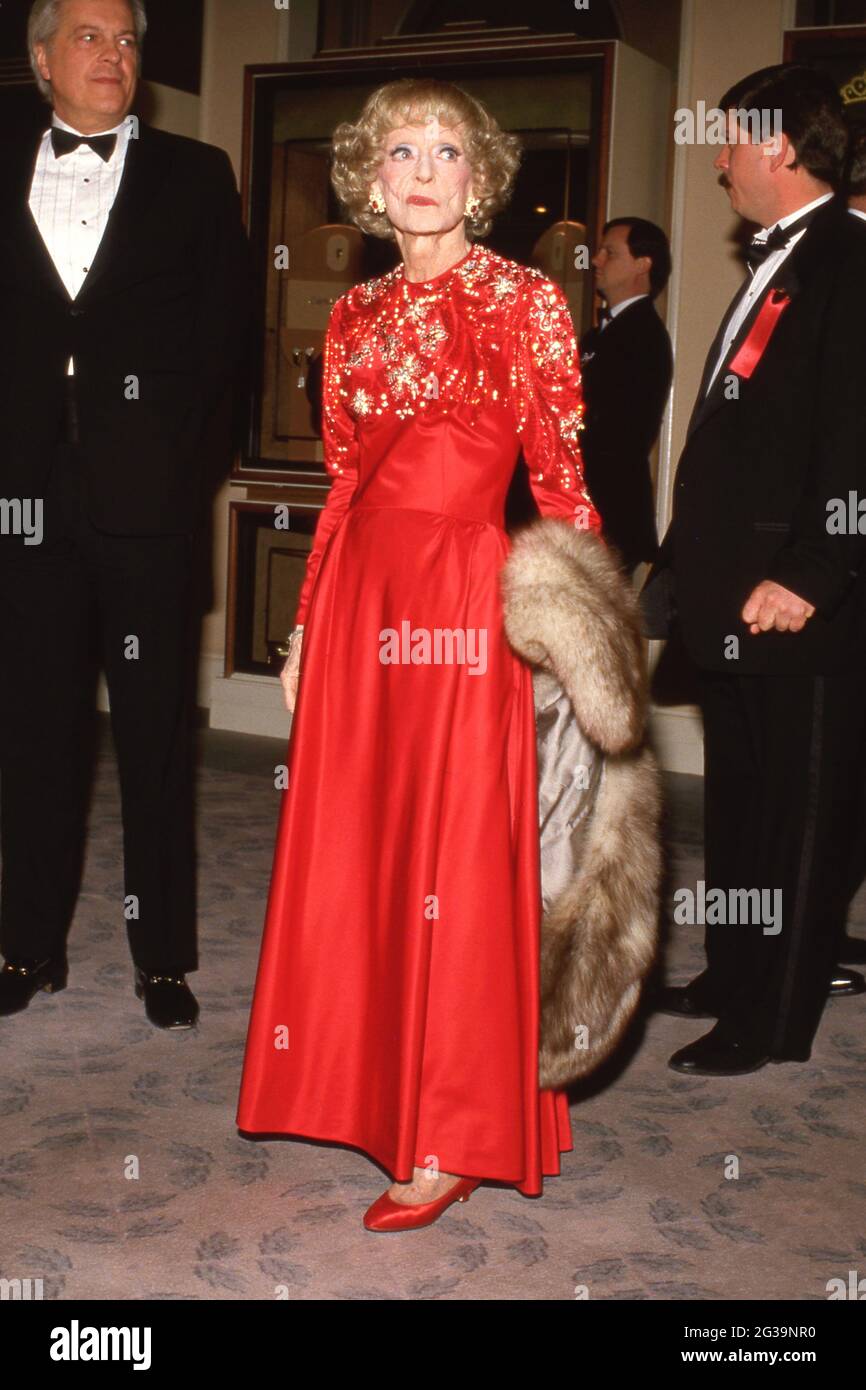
144	171
25	257
709	400
589	345
598	340
790	276
716	347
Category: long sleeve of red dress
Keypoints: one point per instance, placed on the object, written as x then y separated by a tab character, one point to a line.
532	317
340	453
548	401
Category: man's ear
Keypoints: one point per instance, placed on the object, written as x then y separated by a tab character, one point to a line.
779	151
42	61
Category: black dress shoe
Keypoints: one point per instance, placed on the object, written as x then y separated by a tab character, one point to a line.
681	999
717	1055
853	951
168	1000
846	982
685	1001
21	979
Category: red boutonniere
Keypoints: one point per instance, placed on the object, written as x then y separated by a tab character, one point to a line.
751	351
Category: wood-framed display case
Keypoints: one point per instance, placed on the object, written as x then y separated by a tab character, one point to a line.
563	97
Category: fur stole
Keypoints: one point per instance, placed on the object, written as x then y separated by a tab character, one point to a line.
573	615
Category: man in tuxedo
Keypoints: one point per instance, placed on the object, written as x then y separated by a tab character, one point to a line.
125	278
769	585
853	948
626	367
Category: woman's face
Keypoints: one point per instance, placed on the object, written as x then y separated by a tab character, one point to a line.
424	177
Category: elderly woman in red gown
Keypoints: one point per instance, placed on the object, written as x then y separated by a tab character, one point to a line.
396	1005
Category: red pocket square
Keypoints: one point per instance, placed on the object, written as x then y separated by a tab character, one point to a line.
751	351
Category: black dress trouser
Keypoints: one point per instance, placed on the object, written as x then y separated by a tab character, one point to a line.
78	600
784	760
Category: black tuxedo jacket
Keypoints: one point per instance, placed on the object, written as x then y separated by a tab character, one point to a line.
762	460
626	370
166	301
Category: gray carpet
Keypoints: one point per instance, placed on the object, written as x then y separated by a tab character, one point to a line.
122	1174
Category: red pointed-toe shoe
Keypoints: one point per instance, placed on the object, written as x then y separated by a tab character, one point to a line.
387	1215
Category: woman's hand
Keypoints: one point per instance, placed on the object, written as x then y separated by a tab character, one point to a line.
291	671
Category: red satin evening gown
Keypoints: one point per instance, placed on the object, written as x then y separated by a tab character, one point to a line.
396	1005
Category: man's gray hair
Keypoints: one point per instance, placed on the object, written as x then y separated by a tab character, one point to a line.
44	22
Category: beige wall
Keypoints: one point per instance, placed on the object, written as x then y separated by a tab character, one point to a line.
638	183
719	44
652	27
169	109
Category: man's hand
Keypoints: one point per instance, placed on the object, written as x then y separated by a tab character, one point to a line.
771	607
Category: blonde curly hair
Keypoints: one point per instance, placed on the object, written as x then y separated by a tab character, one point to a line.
493	153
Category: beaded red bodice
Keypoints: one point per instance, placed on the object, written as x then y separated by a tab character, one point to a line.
430	390
486	332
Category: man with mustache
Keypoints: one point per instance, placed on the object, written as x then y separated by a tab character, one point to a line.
771	598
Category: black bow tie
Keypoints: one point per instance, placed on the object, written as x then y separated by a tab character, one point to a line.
65	141
604	316
758	251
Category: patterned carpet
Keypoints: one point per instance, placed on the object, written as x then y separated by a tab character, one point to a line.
92	1095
